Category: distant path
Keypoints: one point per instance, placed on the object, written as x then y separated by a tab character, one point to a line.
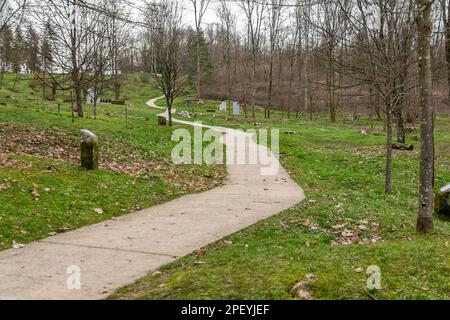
118	252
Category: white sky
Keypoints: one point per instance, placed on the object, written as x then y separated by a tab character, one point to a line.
210	15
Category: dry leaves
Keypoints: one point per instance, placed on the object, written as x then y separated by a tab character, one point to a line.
116	155
345	233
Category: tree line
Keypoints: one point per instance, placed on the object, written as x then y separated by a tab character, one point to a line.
304	57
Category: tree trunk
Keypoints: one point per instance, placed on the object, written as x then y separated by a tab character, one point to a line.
169	102
330	87
425	218
117	87
401	135
270	88
447	45
198	66
388	186
79	99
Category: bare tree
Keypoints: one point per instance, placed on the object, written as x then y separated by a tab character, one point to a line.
9	9
200	7
227	26
71	26
168	42
274	25
382	52
254	13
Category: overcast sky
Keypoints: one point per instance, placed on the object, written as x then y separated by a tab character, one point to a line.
210	16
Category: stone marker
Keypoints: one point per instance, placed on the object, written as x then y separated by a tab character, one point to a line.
89	150
223	106
162	121
442	203
236	108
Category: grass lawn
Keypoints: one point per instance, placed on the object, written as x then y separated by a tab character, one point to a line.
345	225
44	191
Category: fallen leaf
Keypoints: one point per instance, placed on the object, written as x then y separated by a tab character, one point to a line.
99	211
359	270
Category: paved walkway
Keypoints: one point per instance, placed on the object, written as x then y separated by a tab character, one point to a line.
117	252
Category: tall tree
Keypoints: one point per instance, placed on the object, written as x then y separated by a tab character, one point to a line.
254	13
6	51
274	25
424	26
18	55
227	27
32	50
72	26
200	7
168	42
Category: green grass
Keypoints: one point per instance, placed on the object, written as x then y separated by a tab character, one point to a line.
39	153
342	173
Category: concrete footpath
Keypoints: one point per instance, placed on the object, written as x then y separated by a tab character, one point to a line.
118	252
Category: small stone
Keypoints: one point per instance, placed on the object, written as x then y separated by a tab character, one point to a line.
17	245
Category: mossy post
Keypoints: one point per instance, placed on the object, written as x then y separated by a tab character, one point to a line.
89	150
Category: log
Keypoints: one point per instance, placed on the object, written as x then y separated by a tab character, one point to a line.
403	147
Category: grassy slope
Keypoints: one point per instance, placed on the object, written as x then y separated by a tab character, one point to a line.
342	173
42	194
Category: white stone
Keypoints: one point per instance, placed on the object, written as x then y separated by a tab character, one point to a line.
236	108
445	189
91	97
88	135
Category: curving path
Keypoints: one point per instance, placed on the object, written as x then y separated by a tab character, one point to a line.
117	252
